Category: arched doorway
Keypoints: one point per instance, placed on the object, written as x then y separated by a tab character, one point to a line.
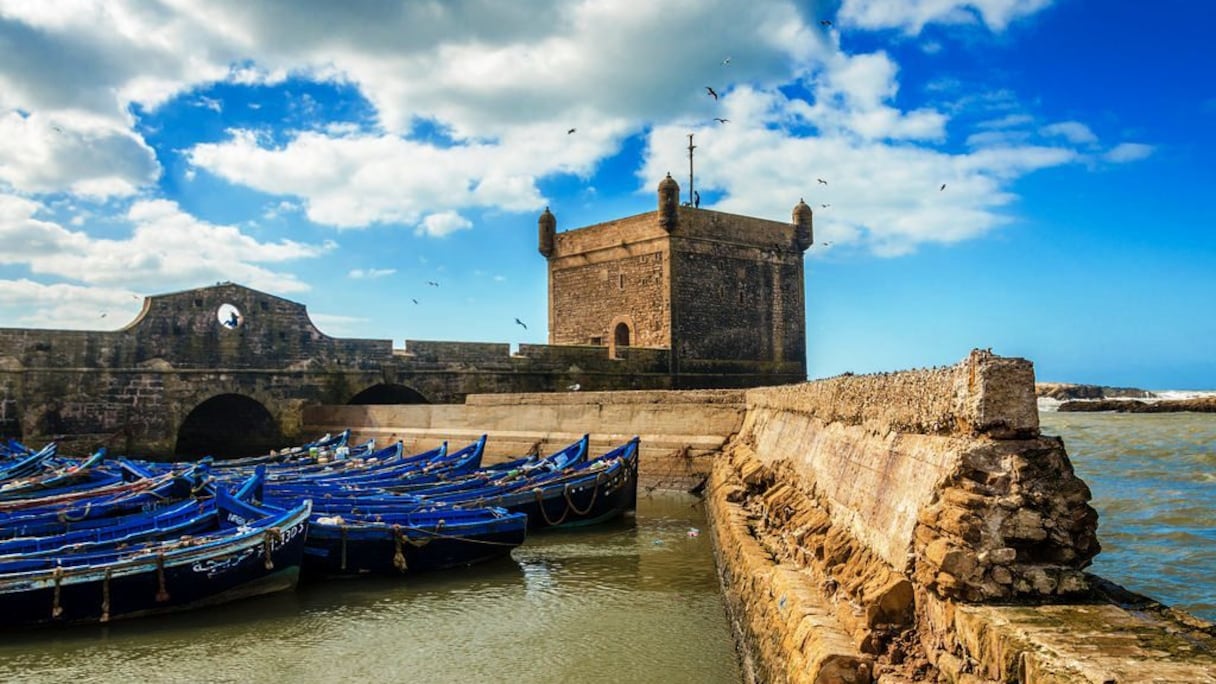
620	336
385	393
228	426
10	420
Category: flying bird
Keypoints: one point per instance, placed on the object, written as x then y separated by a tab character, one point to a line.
720	119
822	181
432	283
711	92
521	324
825	206
571	131
414	301
726	61
103	315
825	22
943	187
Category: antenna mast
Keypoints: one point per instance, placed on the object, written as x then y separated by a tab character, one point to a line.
691	147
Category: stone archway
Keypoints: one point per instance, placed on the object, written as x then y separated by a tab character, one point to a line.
622	334
228	426
387	393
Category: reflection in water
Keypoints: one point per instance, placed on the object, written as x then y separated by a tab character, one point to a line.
636	600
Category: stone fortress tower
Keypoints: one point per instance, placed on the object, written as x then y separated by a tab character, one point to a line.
723	293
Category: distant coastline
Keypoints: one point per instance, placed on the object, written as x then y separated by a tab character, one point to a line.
1071	397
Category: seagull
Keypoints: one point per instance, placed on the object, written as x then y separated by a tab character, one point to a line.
825	22
726	61
103	315
822	181
943	187
711	92
432	283
521	324
825	206
414	301
721	120
575	387
571	131
57	129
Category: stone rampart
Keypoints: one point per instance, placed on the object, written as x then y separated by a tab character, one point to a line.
924	529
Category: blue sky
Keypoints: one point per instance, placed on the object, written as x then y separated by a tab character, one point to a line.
344	154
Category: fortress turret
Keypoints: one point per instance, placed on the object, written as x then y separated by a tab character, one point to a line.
669	203
546	228
804	235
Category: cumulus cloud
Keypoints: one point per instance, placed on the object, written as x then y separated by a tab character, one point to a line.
445	223
166	249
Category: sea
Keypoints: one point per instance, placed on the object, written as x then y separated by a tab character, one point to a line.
1153	480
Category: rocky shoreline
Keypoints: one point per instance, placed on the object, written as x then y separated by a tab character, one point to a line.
1067	391
1198	405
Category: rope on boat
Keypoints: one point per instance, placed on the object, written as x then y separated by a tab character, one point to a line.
64	518
540	503
439	535
271	535
105	596
595	491
398	552
162	594
56	609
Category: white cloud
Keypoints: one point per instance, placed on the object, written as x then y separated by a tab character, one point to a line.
912	15
166	249
1127	152
370	273
445	223
65	306
1072	131
78	154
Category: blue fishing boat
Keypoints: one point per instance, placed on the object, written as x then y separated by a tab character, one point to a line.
255	550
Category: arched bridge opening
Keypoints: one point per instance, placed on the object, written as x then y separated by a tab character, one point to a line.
228	426
386	393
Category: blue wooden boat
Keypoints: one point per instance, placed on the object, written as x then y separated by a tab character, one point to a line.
395	543
256	550
585	494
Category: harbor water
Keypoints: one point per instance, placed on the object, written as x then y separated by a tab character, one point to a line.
1153	479
631	601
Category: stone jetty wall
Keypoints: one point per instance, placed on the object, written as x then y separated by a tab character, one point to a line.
915	526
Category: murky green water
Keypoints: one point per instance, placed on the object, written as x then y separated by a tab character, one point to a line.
634	601
1153	478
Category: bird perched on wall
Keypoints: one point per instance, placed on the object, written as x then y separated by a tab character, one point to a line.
712	93
721	120
575	387
521	324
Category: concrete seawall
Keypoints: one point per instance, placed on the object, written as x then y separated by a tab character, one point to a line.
899	527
